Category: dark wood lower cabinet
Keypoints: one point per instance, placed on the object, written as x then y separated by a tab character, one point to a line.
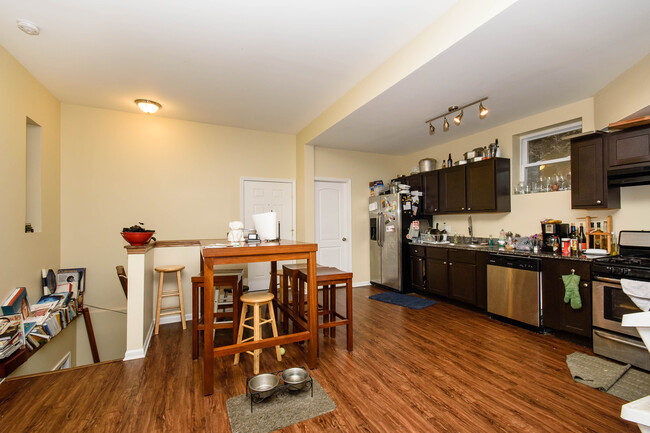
437	277
462	276
557	314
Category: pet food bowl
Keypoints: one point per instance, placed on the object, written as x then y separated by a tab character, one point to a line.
263	384
295	378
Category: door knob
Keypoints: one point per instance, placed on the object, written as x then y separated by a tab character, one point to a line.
598	202
344	239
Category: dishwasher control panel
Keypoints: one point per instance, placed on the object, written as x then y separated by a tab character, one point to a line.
515	262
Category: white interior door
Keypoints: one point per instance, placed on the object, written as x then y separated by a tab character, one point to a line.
261	196
332	223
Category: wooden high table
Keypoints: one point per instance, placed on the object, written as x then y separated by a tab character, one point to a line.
213	252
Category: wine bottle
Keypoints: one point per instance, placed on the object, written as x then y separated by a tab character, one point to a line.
574	240
498	149
449	162
582	240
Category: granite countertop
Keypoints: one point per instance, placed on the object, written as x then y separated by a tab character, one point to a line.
502	250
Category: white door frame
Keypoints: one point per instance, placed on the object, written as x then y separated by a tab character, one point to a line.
244	179
348	211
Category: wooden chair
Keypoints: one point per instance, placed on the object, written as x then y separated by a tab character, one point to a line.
162	270
124	281
232	278
256	300
328	278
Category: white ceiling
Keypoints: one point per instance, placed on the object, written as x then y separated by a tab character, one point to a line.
276	65
534	56
256	64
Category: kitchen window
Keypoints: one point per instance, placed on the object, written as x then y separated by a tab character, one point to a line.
546	159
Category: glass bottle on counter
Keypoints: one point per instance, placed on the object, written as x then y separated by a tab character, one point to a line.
449	161
582	240
574	240
444	164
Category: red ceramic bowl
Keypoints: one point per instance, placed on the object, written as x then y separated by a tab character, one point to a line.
137	238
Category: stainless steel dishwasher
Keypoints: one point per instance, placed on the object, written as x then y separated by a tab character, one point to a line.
514	288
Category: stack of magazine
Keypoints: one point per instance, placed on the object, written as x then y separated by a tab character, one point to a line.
25	325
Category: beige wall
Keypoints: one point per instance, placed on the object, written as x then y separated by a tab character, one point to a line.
180	178
628	93
361	168
24	254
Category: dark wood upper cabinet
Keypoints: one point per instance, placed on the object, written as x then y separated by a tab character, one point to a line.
451	187
488	184
430	191
589	187
628	147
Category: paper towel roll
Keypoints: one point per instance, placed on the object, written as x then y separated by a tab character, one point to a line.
266	225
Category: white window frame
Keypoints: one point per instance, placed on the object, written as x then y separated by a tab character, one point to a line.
524	164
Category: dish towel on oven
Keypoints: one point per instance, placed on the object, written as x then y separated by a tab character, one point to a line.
638	291
572	290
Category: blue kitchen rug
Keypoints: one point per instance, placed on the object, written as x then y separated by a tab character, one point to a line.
403	300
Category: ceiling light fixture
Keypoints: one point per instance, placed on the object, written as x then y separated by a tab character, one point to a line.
482	111
457	119
28	27
147	106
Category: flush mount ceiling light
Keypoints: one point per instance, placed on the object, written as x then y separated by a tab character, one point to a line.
148	106
482	113
28	27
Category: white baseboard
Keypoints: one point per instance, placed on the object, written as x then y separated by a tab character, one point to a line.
176	318
361	283
141	353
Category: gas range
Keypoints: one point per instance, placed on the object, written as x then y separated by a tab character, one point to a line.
633	261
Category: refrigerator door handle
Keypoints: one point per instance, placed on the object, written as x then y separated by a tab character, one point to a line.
380	231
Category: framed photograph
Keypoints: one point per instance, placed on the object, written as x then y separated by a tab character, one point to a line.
74	280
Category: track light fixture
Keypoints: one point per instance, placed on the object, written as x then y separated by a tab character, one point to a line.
458	118
482	113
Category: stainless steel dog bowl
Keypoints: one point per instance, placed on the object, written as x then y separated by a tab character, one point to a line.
295	378
264	384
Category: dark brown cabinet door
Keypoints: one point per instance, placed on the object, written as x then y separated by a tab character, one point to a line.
481	190
437	279
589	180
629	147
462	282
417	273
430	187
557	314
452	189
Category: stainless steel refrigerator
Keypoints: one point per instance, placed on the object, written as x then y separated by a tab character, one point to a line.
386	241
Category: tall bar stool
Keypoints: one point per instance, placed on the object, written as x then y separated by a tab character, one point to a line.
171	310
256	300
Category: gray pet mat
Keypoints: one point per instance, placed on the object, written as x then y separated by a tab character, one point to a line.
278	411
619	380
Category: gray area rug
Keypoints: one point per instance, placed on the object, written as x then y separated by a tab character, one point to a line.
278	411
619	380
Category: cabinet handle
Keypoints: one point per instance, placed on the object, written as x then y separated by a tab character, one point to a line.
444	263
469	208
585	284
598	202
450	263
573	271
462	208
435	210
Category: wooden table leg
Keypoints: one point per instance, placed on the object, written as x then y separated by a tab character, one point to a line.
333	307
348	302
327	317
312	294
285	300
237	291
208	321
195	320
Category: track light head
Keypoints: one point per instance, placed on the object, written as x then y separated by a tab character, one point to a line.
482	111
458	118
432	129
445	125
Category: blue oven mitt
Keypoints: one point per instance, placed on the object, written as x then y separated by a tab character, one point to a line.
572	290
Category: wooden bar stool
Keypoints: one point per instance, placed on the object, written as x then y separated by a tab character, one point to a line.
291	297
256	300
232	278
179	292
328	278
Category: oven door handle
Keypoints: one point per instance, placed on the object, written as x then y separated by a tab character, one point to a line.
619	340
607	280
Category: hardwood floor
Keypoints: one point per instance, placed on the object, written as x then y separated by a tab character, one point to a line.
440	369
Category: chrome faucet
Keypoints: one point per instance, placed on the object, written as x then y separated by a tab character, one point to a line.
470	228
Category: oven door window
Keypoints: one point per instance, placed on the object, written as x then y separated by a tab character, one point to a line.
617	303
